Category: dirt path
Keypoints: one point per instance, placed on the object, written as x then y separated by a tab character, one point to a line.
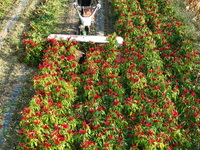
8	22
13	75
10	13
68	20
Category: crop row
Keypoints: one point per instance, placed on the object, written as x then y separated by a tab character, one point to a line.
160	37
43	22
142	95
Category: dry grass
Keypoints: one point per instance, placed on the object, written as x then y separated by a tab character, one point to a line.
188	12
193	5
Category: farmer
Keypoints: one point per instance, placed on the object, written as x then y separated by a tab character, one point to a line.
88	3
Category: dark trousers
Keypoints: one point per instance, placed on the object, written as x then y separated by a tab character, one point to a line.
84	2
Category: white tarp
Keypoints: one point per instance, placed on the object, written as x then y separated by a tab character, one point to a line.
84	38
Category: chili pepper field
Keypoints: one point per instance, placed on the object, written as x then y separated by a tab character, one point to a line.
142	95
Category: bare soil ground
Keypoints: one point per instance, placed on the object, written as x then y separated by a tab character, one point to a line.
68	20
10	69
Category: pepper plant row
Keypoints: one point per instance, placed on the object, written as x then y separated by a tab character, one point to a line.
43	23
142	95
